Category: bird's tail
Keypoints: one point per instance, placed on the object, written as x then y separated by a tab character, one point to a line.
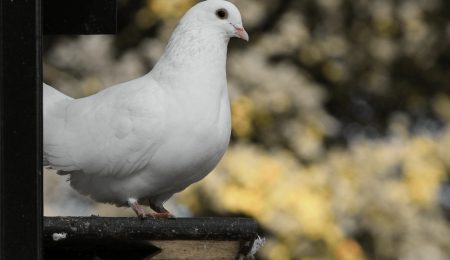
54	104
52	98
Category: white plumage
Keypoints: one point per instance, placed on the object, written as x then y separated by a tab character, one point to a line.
141	141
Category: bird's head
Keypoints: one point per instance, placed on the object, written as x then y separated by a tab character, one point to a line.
219	14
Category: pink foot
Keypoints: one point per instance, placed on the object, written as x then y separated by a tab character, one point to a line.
137	208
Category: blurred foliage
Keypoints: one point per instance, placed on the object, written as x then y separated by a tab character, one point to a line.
341	120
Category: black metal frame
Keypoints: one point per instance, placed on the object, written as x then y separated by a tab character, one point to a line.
79	16
21	130
21	30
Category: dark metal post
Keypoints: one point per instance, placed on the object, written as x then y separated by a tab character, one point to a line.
21	109
20	130
79	16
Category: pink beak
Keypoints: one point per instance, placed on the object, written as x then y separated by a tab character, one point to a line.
241	33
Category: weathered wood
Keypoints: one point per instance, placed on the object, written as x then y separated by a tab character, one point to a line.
113	238
187	249
151	229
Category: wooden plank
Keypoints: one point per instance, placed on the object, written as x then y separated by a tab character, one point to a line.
79	228
79	16
20	130
87	237
186	249
143	249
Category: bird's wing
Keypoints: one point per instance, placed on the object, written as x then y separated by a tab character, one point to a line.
112	133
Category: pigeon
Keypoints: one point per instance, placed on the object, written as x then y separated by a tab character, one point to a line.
137	143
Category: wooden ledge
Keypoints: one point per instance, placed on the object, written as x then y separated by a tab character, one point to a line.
133	238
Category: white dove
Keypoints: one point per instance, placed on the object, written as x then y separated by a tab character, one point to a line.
141	141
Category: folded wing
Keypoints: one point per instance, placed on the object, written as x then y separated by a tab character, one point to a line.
112	133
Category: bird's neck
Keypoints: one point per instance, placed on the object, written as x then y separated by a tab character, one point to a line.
194	56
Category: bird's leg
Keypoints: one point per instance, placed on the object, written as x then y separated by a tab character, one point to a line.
137	208
160	211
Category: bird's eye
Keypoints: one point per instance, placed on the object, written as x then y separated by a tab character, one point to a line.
222	13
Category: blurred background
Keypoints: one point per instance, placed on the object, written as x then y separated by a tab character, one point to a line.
341	122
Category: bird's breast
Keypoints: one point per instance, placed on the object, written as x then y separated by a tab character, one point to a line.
197	135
